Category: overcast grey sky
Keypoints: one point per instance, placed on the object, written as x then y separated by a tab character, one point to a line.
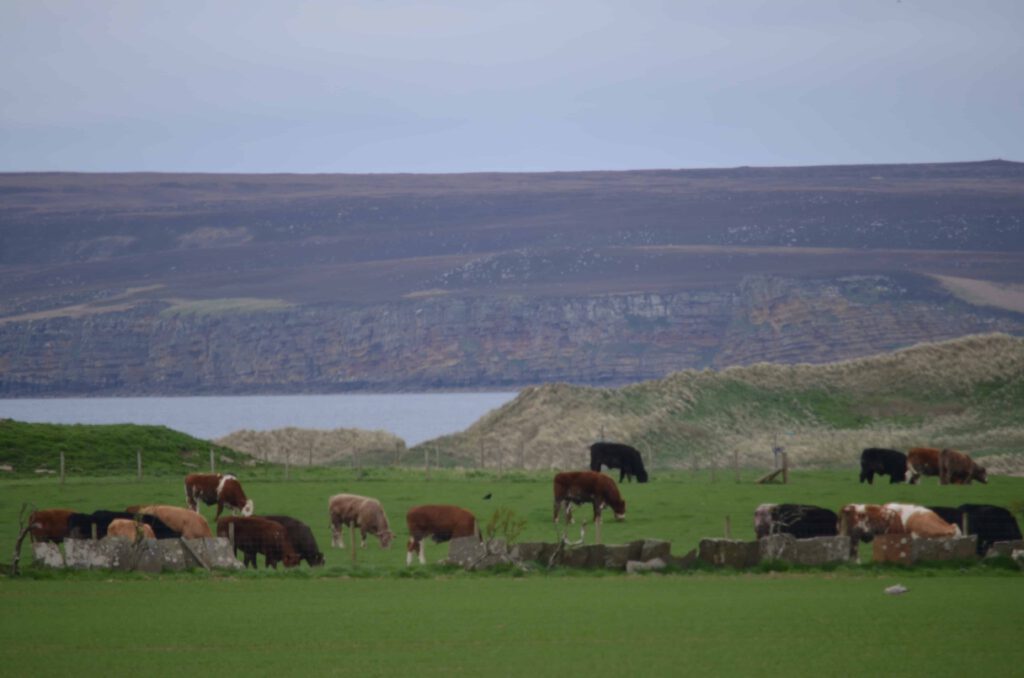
451	86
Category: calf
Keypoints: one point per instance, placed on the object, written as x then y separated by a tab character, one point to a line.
862	522
82	525
254	535
49	524
188	524
803	521
301	538
616	455
892	463
216	488
578	487
440	523
365	513
136	531
959	469
922	461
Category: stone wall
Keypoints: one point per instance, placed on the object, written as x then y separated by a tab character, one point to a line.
148	555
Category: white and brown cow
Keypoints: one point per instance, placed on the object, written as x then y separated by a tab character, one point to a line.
862	522
440	522
219	489
579	487
366	513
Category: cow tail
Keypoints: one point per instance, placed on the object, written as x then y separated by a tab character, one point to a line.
476	530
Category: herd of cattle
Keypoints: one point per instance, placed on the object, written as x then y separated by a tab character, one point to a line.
287	540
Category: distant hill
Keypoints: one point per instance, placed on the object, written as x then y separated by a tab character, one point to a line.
966	394
198	283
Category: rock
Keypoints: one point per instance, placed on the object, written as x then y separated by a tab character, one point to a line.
149	555
1004	548
729	552
617	556
813	551
589	557
538	552
464	551
1018	557
634	566
907	550
655	548
896	590
47	554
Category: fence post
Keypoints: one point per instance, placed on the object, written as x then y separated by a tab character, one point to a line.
231	533
522	455
785	468
287	463
62	467
481	453
426	463
736	463
138	463
213	468
398	454
714	464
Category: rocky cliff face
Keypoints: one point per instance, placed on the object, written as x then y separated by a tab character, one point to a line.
442	342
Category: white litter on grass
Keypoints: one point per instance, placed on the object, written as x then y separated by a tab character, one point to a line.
896	590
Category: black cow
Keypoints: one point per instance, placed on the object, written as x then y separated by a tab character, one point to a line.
989	523
622	457
80	524
803	521
884	462
302	539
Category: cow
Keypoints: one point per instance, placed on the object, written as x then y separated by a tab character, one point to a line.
578	487
188	524
81	525
803	521
219	489
136	531
989	523
254	535
892	463
302	539
862	522
49	524
622	457
440	522
365	513
959	469
922	461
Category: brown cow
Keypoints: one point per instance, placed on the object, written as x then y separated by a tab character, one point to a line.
365	513
922	461
439	522
189	524
959	469
216	488
579	487
259	535
49	524
120	527
862	522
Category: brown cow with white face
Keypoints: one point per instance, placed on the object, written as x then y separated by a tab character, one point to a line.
579	487
439	522
219	489
862	522
49	524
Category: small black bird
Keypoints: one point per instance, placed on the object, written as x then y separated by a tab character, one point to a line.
488	495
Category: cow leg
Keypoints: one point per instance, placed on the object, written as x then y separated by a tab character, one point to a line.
423	558
337	540
220	508
412	546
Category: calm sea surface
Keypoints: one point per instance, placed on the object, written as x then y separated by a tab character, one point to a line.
414	417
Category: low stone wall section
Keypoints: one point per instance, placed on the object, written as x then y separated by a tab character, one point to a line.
148	555
901	548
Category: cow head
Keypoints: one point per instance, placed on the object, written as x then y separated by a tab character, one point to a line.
316	560
247	508
979	473
291	559
385	538
620	510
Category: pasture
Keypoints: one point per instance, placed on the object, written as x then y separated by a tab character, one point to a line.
380	618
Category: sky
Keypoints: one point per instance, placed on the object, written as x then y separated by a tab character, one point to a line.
452	86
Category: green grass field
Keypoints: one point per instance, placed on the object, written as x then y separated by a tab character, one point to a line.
380	618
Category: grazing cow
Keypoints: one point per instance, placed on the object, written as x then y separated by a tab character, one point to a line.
922	461
49	524
259	535
803	521
862	522
578	487
365	513
122	527
622	457
989	523
216	488
81	525
186	523
959	469
892	463
440	523
302	539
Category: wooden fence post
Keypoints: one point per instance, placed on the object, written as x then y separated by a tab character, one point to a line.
426	463
522	455
138	463
62	467
287	463
213	465
736	464
785	468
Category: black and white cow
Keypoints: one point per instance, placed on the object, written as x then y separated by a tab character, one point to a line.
892	463
616	455
803	521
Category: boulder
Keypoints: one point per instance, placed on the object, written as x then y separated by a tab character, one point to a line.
538	552
465	551
907	550
47	554
1004	549
653	565
617	556
729	552
813	551
149	555
655	548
